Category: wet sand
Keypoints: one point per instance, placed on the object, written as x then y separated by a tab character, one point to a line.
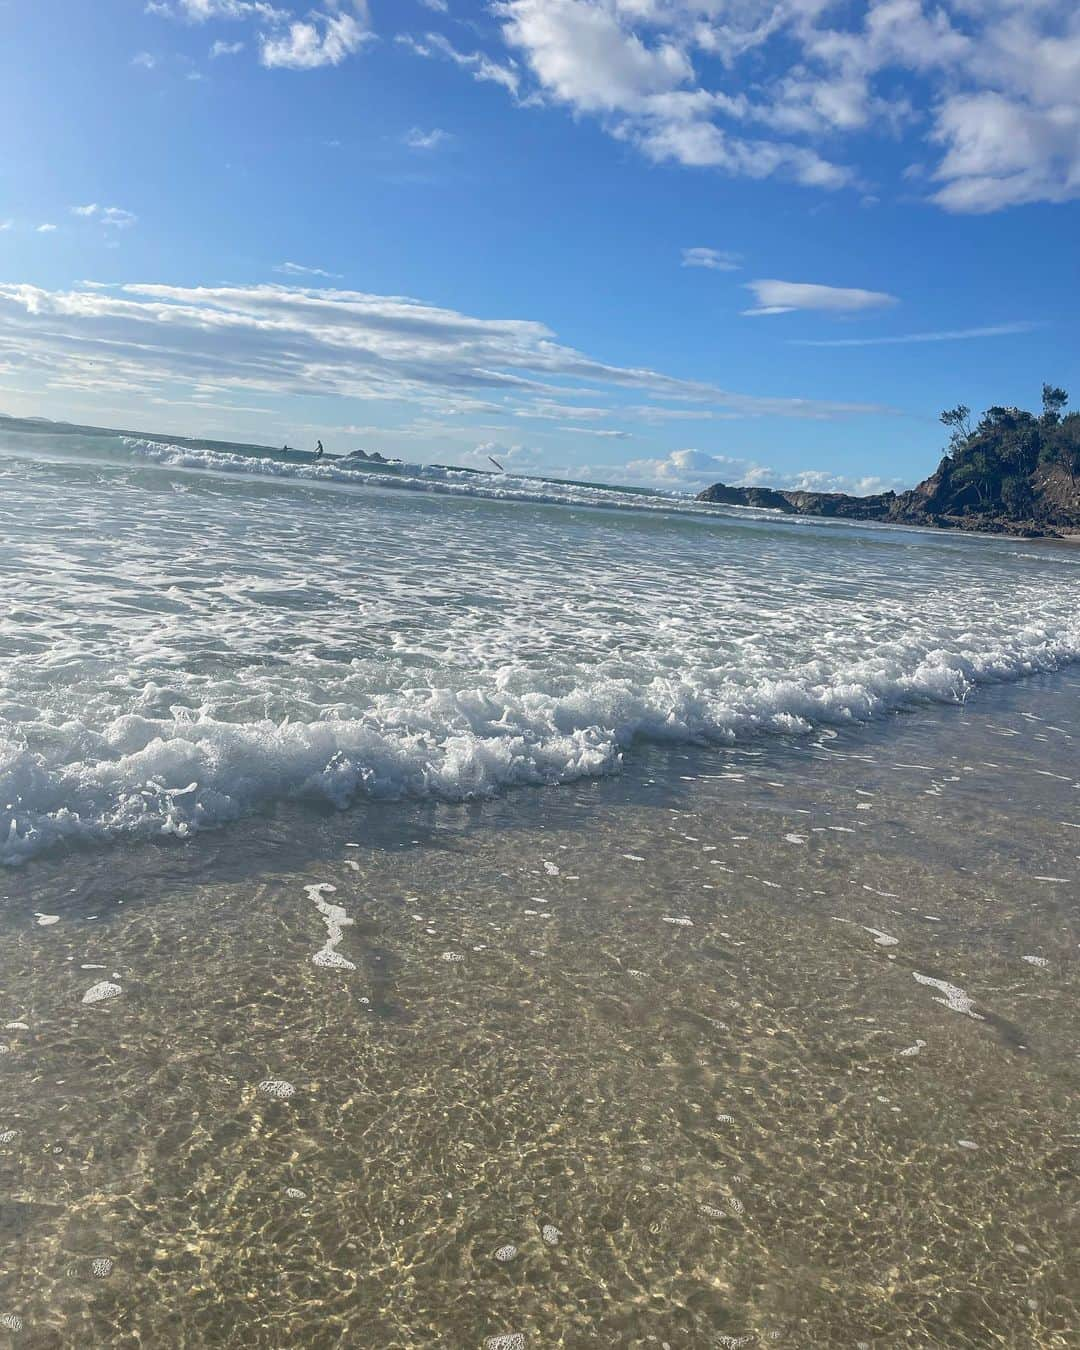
768	1046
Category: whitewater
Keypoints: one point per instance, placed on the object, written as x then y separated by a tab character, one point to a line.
191	633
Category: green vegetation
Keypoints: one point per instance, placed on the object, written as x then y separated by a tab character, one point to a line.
1012	463
1014	472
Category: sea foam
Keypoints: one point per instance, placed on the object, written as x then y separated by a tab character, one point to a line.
173	661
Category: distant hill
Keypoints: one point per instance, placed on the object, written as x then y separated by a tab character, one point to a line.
1012	473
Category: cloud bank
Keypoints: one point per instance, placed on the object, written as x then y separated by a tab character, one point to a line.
763	88
156	340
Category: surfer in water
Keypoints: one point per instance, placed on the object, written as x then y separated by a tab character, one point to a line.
319	451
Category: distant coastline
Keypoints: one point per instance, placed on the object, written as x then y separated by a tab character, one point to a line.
1013	473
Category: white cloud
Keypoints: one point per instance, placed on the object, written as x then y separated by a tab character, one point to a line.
117	218
112	217
439	6
417	139
273	339
588	55
519	458
994	86
716	260
782	297
46	229
220	48
584	55
821	480
6	225
1002	151
201	11
144	60
320	40
549	410
291	269
481	67
950	335
693	470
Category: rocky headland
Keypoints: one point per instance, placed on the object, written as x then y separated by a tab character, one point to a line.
1014	472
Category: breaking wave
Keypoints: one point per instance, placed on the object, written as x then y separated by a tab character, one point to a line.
174	657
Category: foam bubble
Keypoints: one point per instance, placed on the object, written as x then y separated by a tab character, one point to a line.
336	920
102	992
955	999
276	1088
880	939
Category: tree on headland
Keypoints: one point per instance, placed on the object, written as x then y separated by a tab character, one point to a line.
993	465
1054	400
1011	472
959	420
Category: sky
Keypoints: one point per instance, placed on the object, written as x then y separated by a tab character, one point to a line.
665	242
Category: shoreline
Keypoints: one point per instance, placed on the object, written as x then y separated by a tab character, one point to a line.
684	1030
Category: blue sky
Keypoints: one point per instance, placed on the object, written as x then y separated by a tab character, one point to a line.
660	241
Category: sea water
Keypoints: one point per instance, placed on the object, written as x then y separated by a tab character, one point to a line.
190	634
497	913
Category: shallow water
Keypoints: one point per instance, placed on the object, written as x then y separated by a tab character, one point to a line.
775	1042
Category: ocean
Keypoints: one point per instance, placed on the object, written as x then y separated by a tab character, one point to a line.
192	634
444	909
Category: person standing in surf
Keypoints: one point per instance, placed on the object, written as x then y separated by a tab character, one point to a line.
319	451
